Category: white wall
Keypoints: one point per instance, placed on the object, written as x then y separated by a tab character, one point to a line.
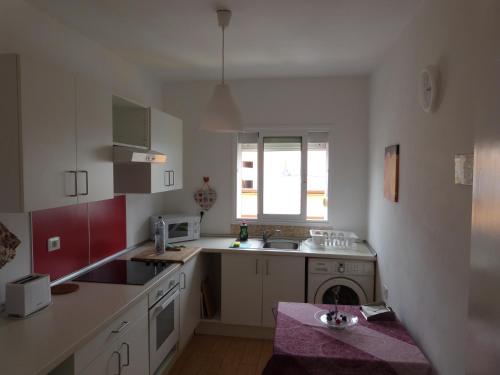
341	102
27	31
484	299
423	241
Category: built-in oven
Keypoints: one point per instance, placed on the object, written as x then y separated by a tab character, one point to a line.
163	322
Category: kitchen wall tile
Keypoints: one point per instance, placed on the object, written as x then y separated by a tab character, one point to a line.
70	223
108	227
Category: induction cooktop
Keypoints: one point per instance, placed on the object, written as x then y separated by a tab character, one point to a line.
121	271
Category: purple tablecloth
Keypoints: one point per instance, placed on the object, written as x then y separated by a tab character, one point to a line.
303	345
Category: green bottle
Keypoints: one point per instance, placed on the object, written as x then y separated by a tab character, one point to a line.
243	232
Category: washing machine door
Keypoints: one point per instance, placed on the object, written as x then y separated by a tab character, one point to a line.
348	291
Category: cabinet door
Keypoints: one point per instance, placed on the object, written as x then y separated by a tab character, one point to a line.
133	348
283	280
241	289
94	141
108	363
128	354
190	279
48	136
166	137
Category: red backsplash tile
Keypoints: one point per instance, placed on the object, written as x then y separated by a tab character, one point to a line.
88	232
108	227
70	223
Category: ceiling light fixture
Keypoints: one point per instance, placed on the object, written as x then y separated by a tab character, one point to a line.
222	114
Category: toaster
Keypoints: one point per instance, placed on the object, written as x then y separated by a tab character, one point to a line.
27	294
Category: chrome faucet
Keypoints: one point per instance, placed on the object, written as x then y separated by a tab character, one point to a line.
267	234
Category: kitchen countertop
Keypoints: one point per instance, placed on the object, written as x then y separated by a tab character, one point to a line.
361	251
147	252
38	344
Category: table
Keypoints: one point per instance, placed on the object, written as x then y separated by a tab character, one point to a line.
303	345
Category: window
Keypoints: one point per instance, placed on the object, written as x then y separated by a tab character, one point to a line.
270	183
246	197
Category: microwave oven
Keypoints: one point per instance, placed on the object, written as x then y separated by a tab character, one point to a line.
178	228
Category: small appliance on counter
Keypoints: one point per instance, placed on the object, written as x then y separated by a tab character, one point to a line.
178	228
27	294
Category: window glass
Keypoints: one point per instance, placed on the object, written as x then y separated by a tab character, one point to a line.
317	180
282	175
247	181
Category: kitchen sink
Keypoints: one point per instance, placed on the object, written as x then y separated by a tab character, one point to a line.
281	245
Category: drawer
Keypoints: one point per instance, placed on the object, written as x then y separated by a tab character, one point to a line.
109	334
162	288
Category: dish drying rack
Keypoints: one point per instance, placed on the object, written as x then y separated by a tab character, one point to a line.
329	238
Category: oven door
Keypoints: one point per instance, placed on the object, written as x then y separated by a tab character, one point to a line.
179	231
163	328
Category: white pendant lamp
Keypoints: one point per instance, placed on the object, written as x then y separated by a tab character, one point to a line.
222	114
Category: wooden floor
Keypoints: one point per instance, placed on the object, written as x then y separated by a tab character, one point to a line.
211	355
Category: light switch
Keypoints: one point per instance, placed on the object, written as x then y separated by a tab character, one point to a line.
54	243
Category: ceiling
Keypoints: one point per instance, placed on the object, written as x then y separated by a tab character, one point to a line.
180	39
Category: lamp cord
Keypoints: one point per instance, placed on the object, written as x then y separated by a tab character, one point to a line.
222	54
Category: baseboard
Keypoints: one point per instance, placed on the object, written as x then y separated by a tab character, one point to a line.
220	329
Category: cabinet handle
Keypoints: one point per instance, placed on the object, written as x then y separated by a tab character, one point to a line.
76	184
119	362
121	327
165	174
128	353
256	266
183	281
267	267
86	173
173	178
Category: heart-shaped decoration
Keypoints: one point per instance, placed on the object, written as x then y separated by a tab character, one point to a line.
205	197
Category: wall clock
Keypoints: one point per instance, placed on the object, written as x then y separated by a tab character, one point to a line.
428	88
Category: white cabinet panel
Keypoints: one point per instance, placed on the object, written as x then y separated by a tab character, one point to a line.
11	195
48	136
94	141
241	289
166	137
133	348
128	354
53	124
284	280
121	347
190	285
252	285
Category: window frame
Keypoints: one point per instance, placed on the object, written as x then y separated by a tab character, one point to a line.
277	218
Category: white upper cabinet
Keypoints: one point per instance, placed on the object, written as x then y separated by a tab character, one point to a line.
39	137
94	137
166	137
147	129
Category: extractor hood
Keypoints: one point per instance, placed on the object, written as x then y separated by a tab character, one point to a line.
124	154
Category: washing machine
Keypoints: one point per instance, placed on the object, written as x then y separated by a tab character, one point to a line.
352	282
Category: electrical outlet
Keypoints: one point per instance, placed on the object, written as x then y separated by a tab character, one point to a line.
54	243
385	291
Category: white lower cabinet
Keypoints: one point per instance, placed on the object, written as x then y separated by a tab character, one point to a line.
252	285
190	286
121	348
127	355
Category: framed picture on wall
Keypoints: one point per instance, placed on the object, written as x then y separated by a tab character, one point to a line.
391	173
